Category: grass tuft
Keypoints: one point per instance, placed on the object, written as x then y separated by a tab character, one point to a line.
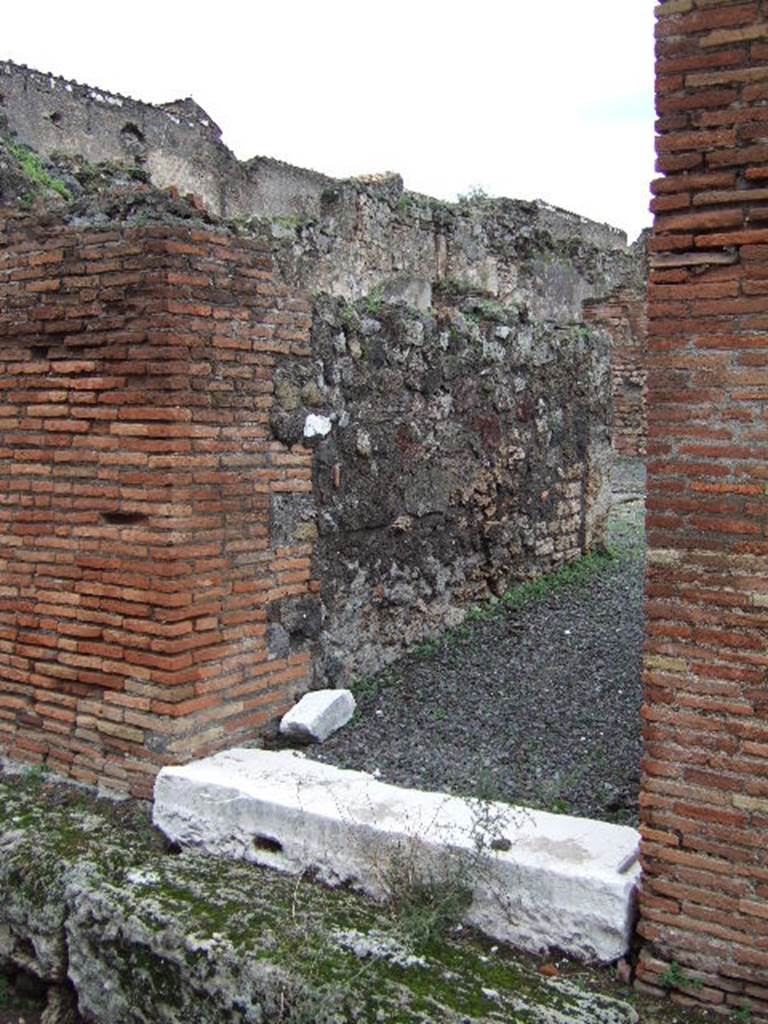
32	167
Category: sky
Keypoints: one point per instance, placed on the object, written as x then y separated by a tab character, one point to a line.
547	99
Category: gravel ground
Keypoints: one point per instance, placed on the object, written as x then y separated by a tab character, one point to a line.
537	706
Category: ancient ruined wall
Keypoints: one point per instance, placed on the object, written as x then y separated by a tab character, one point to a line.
347	238
357	237
183	552
456	454
525	260
137	473
369	235
704	905
177	143
186	553
623	316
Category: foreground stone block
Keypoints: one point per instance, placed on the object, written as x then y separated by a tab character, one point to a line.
318	714
537	880
92	905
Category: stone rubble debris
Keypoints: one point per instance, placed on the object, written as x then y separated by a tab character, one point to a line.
317	715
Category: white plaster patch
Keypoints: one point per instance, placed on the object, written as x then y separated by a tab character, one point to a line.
538	880
318	714
101	97
315	425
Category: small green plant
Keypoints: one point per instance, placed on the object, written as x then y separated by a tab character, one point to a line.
474	194
425	904
461	632
672	977
350	317
426	649
291	222
480	613
34	775
32	167
675	978
487	309
405	202
366	689
428	896
373	302
560	806
741	1016
553	792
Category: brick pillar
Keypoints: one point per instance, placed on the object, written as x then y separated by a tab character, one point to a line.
136	476
704	906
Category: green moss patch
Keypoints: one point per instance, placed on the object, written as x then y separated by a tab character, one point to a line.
165	937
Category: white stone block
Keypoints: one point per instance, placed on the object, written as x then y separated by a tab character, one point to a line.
538	880
316	426
318	714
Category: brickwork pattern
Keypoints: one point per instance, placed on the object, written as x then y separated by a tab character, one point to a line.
704	906
623	316
136	475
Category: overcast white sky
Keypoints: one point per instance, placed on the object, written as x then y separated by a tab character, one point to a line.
550	99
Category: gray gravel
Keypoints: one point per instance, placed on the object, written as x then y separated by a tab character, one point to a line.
538	706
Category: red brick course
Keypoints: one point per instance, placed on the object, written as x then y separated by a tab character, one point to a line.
137	470
623	316
704	904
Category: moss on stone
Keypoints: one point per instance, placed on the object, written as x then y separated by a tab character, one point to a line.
40	181
232	942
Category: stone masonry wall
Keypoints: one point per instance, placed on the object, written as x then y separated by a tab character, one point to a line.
704	803
457	453
137	473
177	143
623	316
356	237
345	237
207	508
217	495
369	235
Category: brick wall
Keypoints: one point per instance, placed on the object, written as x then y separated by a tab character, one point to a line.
136	471
623	316
704	906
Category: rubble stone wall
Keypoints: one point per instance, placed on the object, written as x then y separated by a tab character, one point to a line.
369	234
460	454
704	801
